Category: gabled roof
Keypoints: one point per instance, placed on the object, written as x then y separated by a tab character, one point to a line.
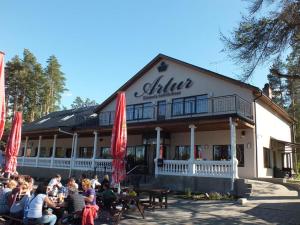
67	118
162	57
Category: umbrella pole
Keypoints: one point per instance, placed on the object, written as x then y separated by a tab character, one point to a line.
119	188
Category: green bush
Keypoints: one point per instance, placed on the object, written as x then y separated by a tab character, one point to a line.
215	196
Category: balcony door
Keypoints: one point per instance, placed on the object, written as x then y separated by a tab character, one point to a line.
161	110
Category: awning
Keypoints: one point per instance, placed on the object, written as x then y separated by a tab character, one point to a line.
292	145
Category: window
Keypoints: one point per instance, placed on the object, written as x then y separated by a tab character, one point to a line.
202	104
139	154
43	120
104	153
136	155
44	152
240	155
177	107
190	105
60	152
139	111
105	118
267	158
182	152
21	152
148	111
85	152
30	152
223	152
129	112
199	152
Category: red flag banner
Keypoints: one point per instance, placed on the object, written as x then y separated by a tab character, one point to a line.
13	144
2	95
119	140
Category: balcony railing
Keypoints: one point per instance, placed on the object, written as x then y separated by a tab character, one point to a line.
183	108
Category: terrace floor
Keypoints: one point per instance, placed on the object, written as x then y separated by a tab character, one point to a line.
269	204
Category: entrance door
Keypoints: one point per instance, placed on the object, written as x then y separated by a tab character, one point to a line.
151	152
161	110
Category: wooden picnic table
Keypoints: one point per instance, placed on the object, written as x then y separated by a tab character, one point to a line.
125	201
155	193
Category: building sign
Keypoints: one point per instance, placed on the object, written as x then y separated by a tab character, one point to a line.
158	89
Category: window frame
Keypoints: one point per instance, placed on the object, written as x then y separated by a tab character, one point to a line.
267	158
189	105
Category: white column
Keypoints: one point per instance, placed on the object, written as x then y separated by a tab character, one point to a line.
192	127
38	152
72	152
25	150
95	149
233	151
158	129
53	150
192	149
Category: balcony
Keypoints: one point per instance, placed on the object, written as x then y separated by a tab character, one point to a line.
183	108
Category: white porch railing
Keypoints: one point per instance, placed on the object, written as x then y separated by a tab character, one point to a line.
29	161
61	163
44	162
103	165
83	164
213	168
174	167
65	163
198	168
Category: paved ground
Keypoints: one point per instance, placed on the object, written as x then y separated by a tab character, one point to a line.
270	204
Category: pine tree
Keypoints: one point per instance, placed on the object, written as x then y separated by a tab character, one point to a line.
56	84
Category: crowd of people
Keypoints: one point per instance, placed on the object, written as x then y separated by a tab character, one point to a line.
54	203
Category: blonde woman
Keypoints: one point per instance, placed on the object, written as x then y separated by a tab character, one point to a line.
89	193
4	208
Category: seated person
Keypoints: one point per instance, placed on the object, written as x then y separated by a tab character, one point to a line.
95	182
4	195
54	185
74	205
72	183
34	208
19	200
89	193
105	181
108	196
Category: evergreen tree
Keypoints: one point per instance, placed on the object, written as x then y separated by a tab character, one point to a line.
79	102
32	89
261	37
278	85
55	85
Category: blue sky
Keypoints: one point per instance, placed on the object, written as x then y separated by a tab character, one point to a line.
102	44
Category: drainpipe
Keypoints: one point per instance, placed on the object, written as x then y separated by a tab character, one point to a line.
255	131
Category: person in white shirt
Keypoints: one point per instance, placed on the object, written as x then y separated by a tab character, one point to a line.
54	184
95	182
72	183
34	212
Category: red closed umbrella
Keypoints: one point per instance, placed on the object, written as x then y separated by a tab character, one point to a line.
2	95
119	140
13	144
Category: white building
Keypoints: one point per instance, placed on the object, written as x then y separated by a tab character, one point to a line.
171	106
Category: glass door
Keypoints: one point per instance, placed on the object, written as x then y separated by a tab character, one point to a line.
161	110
